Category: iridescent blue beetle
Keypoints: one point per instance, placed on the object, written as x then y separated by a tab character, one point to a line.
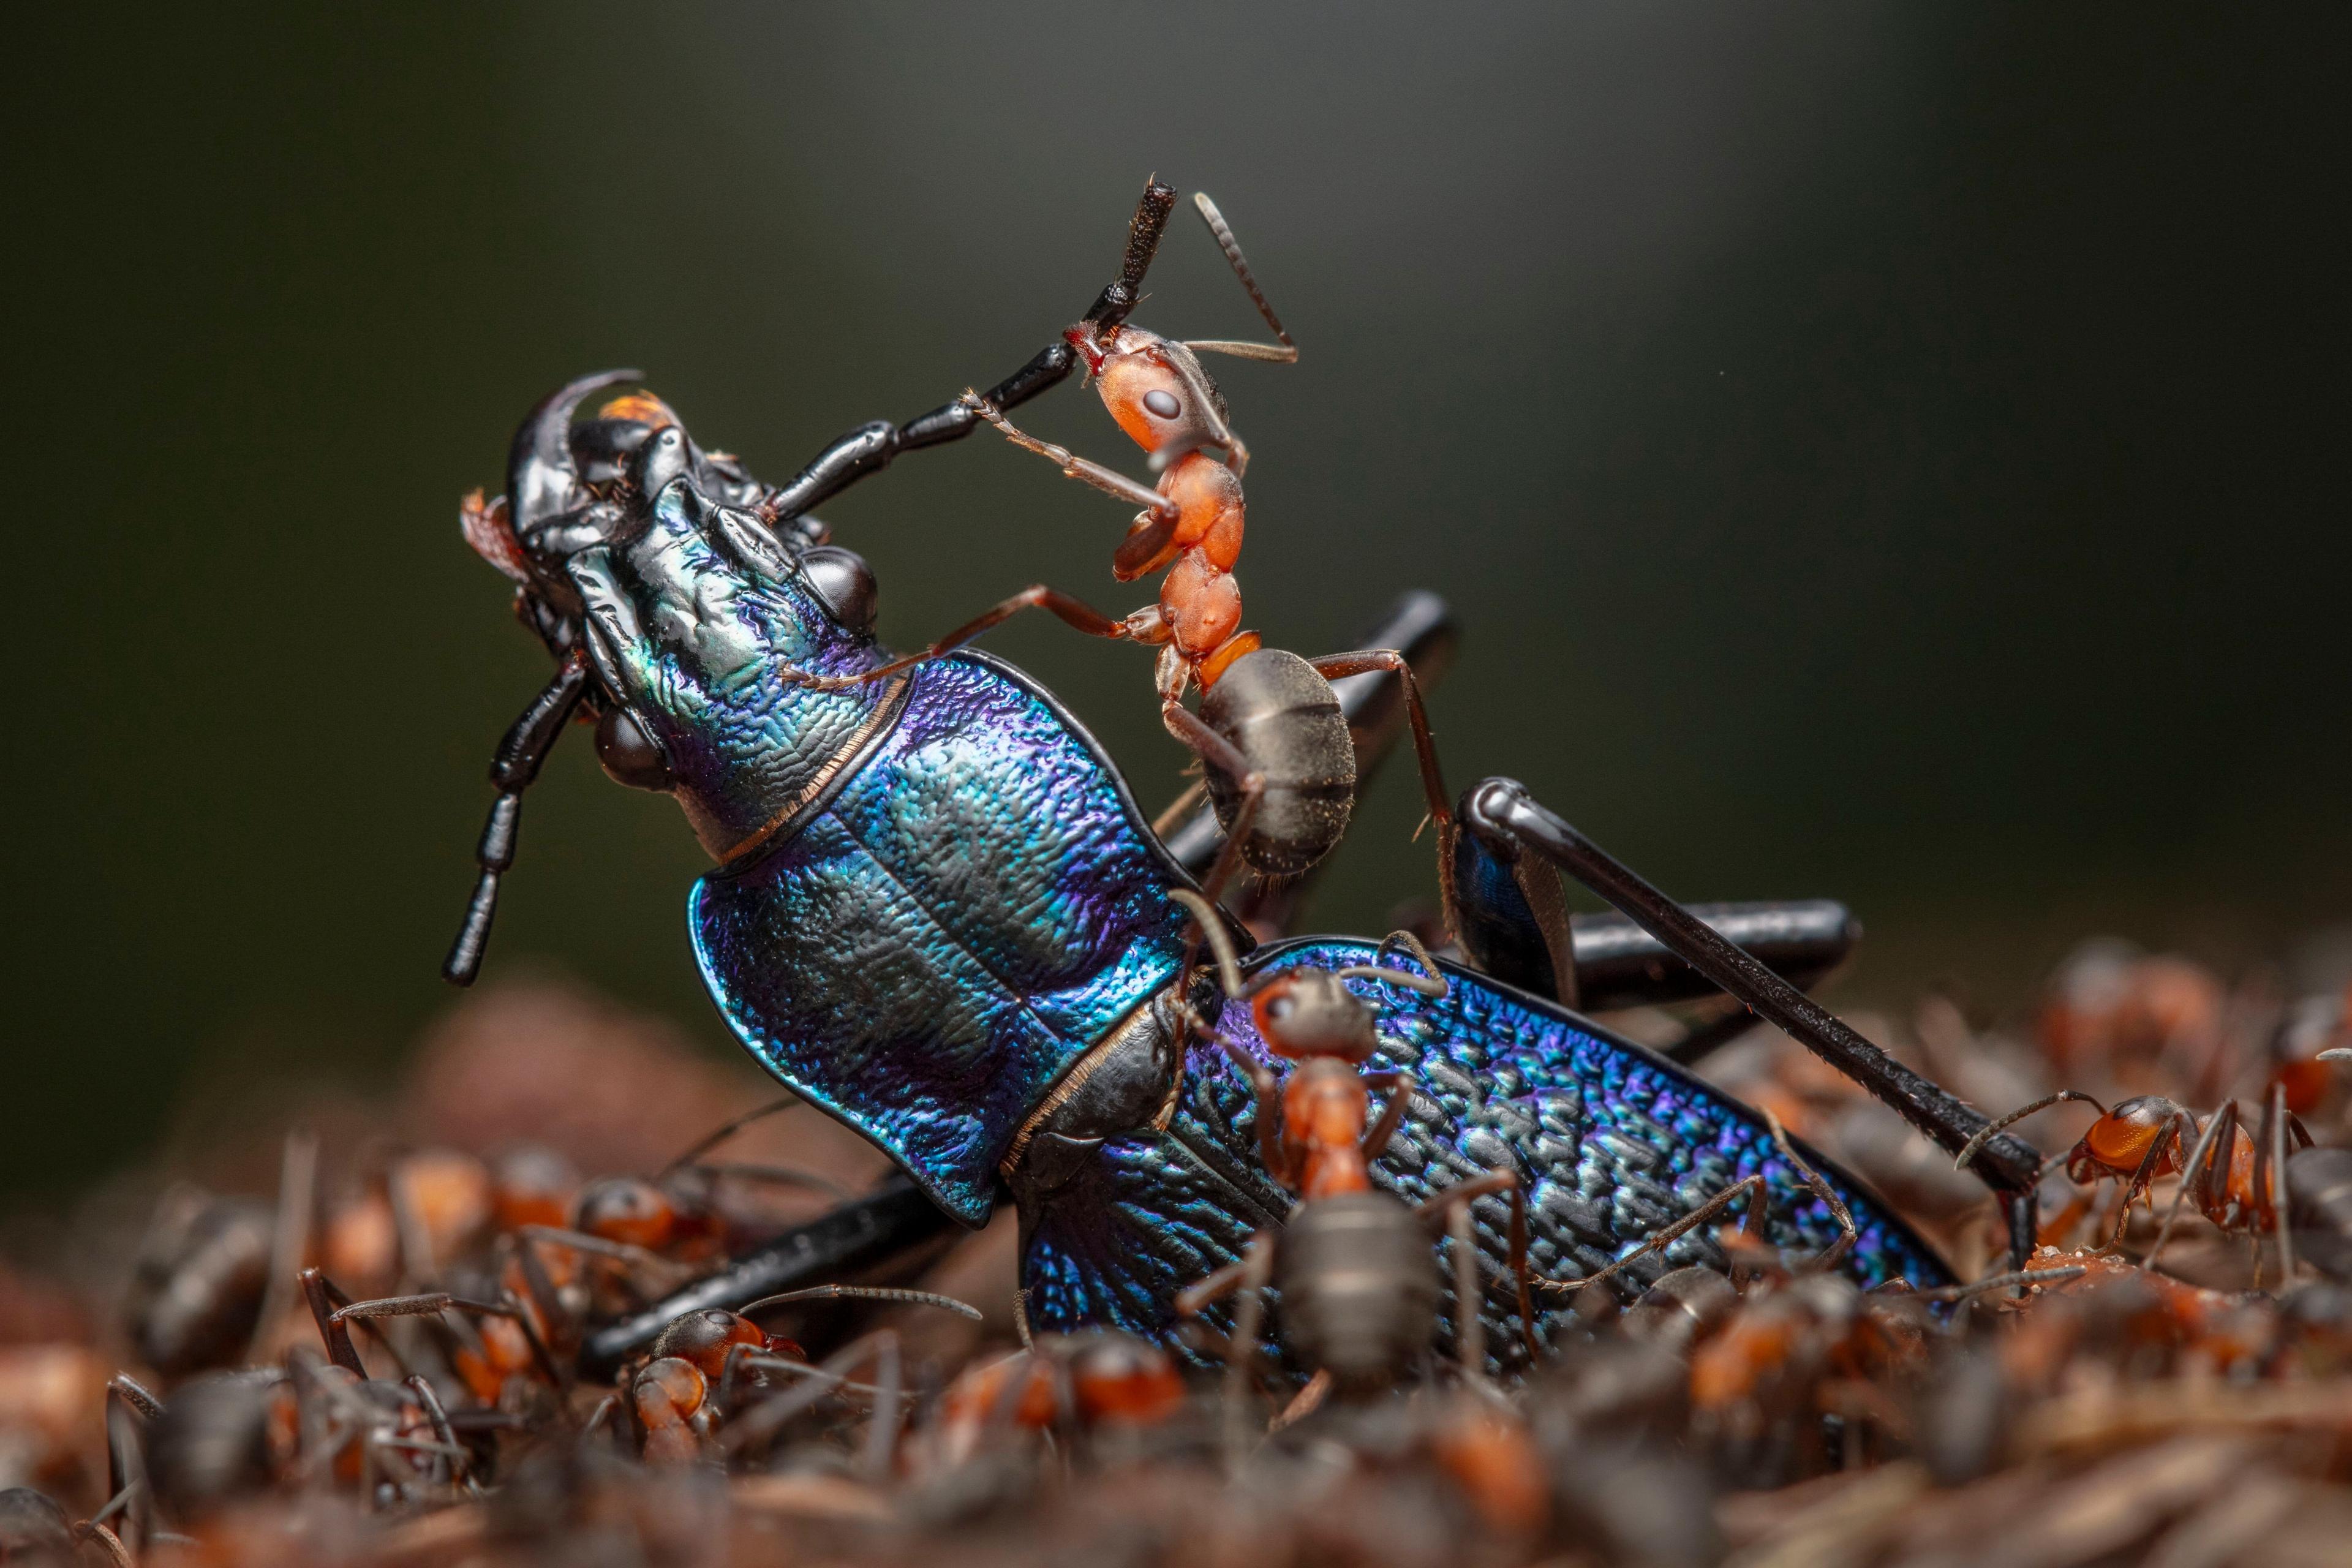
937	914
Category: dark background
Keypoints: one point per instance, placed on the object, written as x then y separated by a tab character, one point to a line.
1892	452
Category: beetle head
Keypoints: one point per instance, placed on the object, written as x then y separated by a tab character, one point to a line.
627	540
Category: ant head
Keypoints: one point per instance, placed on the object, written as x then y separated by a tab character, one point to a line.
1311	1013
1119	1379
706	1338
627	1210
1156	389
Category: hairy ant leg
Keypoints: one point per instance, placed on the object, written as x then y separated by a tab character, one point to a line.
1507	821
1454	1202
769	1416
1749	1187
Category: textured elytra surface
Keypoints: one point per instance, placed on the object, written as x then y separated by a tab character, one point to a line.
702	651
1611	1143
971	912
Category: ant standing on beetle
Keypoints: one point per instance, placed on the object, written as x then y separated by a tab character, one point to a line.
1281	765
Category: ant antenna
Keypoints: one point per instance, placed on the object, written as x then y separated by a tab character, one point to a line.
1288	353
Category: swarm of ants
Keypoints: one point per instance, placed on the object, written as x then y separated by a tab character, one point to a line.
379	1362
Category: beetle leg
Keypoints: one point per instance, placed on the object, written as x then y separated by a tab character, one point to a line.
1508	822
2270	1183
869	447
1074	613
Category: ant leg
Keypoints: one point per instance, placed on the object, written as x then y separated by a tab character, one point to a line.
2270	1180
2196	1180
1751	1187
1461	1195
1087	472
1508	822
1339	665
1240	1363
1819	1189
1400	1088
1072	612
2143	1176
516	765
321	1293
1422	626
1268	1091
768	1417
711	1140
126	1468
1249	785
289	1237
1469	1323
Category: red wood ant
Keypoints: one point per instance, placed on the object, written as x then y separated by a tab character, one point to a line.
1281	765
2235	1186
1356	1289
1086	1380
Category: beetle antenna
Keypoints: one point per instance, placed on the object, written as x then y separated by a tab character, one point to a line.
519	756
1287	351
1118	302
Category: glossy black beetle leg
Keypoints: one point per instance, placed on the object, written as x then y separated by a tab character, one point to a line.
1509	823
519	758
869	447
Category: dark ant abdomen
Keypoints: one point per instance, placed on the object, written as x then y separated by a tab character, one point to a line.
1283	718
1359	1285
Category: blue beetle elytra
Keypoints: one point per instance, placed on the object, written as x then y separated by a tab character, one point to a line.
936	913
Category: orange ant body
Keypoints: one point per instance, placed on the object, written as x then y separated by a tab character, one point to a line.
2236	1185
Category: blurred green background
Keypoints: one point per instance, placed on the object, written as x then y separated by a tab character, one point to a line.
1892	452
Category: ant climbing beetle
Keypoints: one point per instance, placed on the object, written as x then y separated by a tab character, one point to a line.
937	914
1353	1263
1281	767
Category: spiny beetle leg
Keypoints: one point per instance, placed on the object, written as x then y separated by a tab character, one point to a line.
1509	822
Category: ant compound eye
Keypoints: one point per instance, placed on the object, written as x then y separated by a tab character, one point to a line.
629	754
1163	403
1281	1007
